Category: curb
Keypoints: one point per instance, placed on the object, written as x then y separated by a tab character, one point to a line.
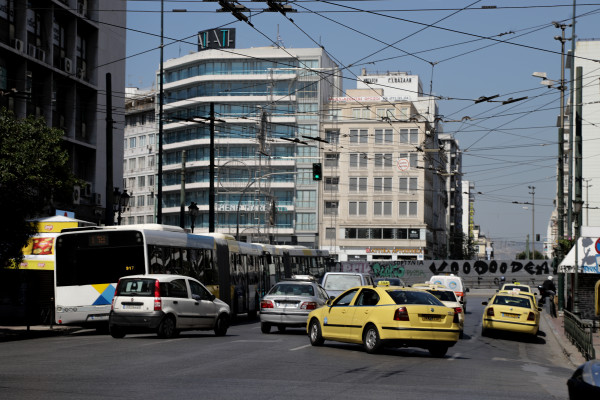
568	349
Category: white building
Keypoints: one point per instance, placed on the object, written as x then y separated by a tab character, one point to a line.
267	107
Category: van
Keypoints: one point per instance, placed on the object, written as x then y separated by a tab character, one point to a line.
454	283
337	282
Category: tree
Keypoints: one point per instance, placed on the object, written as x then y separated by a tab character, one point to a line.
537	256
34	172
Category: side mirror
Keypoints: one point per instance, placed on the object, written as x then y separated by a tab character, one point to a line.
467	290
485	303
540	309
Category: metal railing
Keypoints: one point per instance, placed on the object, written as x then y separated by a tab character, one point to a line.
580	334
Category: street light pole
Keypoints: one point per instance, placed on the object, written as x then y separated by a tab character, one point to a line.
160	117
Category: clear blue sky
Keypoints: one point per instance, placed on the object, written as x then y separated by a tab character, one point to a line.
463	49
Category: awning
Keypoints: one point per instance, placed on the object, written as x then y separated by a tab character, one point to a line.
588	249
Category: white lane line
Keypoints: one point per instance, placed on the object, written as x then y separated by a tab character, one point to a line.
301	347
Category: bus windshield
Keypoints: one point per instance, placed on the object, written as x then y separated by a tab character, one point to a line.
98	257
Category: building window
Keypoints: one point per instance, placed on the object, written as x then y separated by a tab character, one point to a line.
332	184
151	161
357	184
407	208
359	136
408	185
357	208
412	157
306	221
329	233
331	207
150	200
304	176
332	136
414	136
141	181
151	180
382	208
386	113
142	141
307	154
132	143
384	136
358	160
334	114
306	199
382	184
141	201
361	113
332	159
383	160
149	218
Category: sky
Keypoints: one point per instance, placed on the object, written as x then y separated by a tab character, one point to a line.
461	50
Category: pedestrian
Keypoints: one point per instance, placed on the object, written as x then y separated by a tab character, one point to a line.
502	282
548	289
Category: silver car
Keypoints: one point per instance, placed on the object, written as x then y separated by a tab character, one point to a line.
289	302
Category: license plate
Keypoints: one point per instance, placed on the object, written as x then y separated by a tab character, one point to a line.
507	315
432	318
131	307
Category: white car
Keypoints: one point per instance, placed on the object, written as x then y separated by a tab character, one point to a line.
455	283
165	304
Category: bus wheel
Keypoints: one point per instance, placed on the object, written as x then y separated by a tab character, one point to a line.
265	327
166	329
117	332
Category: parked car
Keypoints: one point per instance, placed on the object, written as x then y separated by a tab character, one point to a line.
165	304
288	303
455	283
509	311
585	381
386	316
337	282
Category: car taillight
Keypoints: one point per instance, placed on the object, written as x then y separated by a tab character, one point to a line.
401	314
531	317
457	310
112	303
308	305
157	299
490	312
460	294
266	304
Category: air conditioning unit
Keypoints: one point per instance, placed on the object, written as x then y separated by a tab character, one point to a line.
19	45
31	50
67	65
87	189
40	55
97	199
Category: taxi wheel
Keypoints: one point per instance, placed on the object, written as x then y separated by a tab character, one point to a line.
265	327
166	329
314	333
438	351
371	340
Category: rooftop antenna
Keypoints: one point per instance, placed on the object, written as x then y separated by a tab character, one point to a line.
279	40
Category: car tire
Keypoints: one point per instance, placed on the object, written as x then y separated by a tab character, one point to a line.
438	351
166	329
221	325
281	328
314	333
484	332
371	339
461	335
116	332
265	327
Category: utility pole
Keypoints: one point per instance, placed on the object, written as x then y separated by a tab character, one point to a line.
109	215
182	192
159	192
587	201
560	204
532	193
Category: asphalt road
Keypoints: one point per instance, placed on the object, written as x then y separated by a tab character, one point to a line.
247	364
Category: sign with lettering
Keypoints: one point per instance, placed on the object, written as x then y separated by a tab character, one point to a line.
218	38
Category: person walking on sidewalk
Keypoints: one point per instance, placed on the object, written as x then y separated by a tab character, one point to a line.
548	290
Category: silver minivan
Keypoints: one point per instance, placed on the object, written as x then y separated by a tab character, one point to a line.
335	283
165	304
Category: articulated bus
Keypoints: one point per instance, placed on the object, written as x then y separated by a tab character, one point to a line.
90	261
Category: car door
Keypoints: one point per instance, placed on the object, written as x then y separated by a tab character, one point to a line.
338	318
363	308
204	308
179	302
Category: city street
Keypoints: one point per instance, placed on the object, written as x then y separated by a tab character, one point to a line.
247	364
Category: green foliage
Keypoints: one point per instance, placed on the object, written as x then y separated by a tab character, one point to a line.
564	246
34	170
536	256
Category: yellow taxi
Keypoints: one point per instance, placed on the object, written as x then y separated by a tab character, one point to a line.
516	286
511	311
383	315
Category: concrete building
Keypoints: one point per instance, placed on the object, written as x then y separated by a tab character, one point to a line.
452	173
267	107
383	196
54	57
139	157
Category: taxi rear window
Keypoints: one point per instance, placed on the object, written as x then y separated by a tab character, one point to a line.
414	297
443	295
512	301
516	287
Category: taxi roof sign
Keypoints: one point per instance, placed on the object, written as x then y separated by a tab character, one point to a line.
383	283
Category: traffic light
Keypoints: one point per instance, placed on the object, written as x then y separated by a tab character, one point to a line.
317	172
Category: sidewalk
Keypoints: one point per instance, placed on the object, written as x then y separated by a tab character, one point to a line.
557	329
10	333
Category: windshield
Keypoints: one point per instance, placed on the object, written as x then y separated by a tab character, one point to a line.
416	297
342	282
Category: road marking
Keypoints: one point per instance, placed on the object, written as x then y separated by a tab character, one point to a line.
256	341
301	347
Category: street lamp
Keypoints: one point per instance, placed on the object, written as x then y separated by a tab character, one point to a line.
120	202
577	205
532	193
193	210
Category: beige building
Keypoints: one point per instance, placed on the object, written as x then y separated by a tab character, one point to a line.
382	191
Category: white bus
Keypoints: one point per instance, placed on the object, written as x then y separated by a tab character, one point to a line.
90	261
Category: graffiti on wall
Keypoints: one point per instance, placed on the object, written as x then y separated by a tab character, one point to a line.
423	269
